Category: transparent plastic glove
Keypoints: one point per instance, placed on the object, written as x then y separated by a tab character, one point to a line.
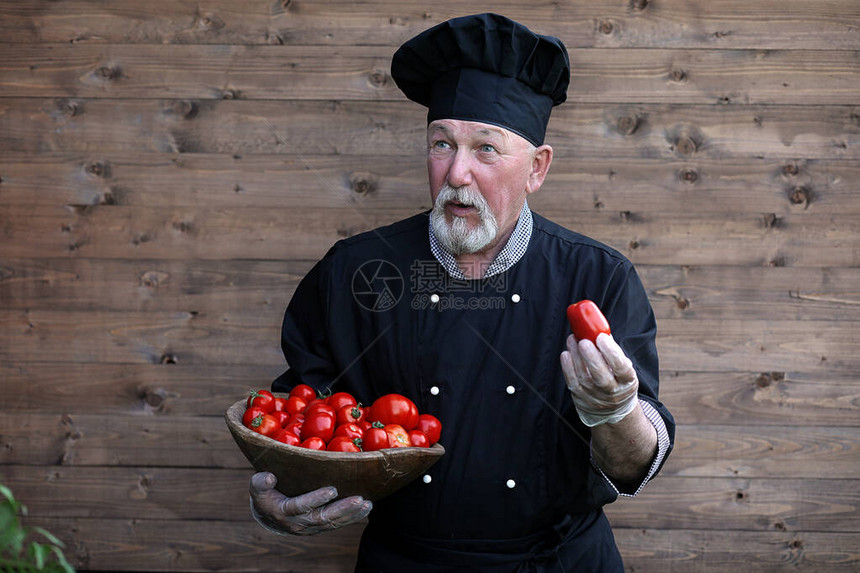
601	380
306	514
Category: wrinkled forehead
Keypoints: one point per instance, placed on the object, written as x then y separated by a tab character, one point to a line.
465	129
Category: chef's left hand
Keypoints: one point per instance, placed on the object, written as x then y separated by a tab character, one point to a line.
601	380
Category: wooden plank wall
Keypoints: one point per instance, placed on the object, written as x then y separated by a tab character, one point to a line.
169	171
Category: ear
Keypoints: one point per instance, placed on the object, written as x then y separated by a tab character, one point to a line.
539	168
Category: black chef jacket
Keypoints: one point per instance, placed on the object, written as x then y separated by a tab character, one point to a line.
378	314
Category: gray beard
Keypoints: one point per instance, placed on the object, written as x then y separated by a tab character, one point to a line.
457	238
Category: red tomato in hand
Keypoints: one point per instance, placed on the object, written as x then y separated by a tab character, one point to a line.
318	424
262	399
313	443
340	399
295	405
287	437
586	320
295	427
396	409
250	414
265	424
344	444
281	417
418	439
350	414
304	392
430	426
375	438
351	431
397	436
320	406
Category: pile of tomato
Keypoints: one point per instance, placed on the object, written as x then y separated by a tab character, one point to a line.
338	422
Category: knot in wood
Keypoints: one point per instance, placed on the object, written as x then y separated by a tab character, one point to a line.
274	39
790	169
605	27
70	108
682	303
231	93
210	22
639	4
363	183
771	221
688	175
685	145
108	198
168	358
186	109
634	244
778	261
182	226
740	495
96	169
800	196
678	75
152	279
108	73
378	78
627	124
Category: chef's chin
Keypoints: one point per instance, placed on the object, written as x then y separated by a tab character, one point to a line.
458	238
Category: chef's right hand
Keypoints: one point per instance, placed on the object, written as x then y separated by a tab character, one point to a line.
306	514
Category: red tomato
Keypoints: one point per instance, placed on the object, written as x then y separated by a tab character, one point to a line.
265	424
250	414
280	404
418	439
344	444
396	409
304	392
340	399
430	426
319	424
295	405
351	431
586	320
320	406
350	414
262	399
313	443
287	437
375	438
295	426
281	417
397	436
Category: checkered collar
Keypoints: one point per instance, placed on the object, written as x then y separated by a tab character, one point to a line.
513	251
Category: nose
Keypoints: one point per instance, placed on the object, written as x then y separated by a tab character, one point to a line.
460	169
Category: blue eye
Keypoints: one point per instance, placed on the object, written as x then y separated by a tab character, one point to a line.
487	148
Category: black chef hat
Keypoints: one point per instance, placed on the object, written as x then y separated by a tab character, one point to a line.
485	68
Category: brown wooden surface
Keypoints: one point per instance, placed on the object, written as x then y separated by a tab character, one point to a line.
824	24
361	73
577	132
169	171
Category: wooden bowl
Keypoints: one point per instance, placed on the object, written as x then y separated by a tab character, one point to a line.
372	475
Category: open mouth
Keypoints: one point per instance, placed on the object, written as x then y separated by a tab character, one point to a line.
459	205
